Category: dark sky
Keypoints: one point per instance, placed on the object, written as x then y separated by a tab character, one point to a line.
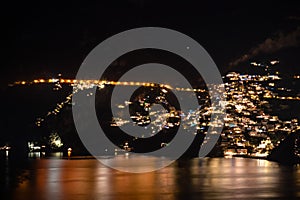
47	38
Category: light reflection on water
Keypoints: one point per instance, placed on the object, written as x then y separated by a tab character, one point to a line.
216	178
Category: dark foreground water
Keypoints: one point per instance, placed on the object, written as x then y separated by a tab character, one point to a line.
216	178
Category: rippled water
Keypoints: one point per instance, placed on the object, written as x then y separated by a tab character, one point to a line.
216	178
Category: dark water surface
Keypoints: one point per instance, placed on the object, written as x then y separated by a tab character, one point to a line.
209	178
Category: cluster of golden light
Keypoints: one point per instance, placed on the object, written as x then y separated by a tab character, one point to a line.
85	84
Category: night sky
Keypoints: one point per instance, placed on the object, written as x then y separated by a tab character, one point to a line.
46	38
